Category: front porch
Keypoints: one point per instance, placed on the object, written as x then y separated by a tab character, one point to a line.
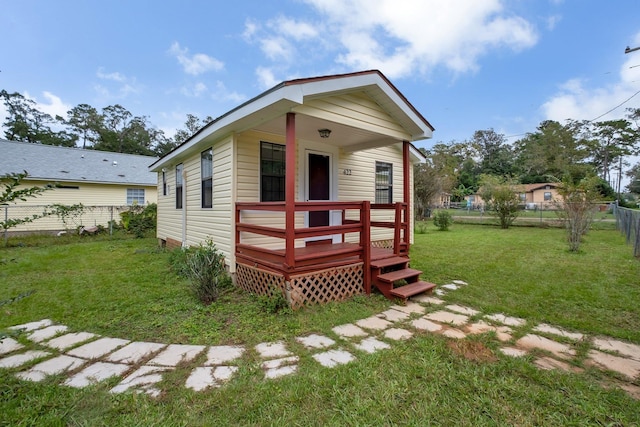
328	263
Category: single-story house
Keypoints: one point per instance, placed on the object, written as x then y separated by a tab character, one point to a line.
104	182
540	196
306	188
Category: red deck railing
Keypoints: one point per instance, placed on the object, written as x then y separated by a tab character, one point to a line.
290	259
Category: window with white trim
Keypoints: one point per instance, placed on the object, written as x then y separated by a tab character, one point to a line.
135	196
272	172
206	176
384	183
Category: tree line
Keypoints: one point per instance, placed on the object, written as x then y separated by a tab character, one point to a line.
114	128
554	152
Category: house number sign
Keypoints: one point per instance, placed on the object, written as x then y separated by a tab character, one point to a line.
346	171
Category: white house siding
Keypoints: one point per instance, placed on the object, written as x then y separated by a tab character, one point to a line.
248	188
357	110
360	185
98	200
169	218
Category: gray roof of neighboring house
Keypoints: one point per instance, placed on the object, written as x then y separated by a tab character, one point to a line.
48	162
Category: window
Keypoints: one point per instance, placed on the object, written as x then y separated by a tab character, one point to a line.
164	183
523	197
179	186
206	175
547	196
135	196
384	182
272	172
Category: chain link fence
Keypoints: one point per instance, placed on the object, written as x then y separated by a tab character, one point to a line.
88	216
628	222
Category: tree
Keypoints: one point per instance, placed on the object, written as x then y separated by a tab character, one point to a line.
634	176
577	207
496	157
12	194
85	122
427	186
550	152
501	198
454	165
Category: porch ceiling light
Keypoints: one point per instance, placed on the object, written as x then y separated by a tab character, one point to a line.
324	133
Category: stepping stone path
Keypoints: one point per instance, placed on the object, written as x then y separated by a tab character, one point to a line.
84	358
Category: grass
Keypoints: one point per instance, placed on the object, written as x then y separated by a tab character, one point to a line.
124	288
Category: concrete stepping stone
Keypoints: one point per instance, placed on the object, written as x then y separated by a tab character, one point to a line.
548	329
135	352
454	333
503	333
20	359
624	348
277	368
513	352
397	334
205	377
410	307
459	282
450	286
560	350
371	345
69	340
349	331
270	350
426	325
393	315
9	345
506	320
462	310
97	349
46	333
440	292
143	379
627	367
448	317
219	355
57	365
95	373
426	299
549	363
315	341
333	358
374	323
175	354
32	326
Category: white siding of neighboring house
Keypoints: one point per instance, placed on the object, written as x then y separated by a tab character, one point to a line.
96	198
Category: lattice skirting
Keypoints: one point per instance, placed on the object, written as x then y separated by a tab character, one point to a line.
382	244
316	287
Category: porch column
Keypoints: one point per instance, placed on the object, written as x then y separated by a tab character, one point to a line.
406	165
290	191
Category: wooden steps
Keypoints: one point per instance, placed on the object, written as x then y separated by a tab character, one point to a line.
393	277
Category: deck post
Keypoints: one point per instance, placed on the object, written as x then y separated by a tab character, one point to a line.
406	182
365	242
290	191
397	235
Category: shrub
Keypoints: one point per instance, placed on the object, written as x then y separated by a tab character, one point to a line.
140	219
204	266
275	302
442	220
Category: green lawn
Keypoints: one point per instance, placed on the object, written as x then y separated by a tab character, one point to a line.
124	288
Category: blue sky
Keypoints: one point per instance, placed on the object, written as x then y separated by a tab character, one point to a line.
464	64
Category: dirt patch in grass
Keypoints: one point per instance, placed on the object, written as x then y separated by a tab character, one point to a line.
472	350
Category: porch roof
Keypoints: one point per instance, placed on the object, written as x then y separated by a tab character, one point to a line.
266	112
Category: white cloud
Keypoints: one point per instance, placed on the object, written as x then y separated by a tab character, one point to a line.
422	34
266	77
277	48
553	21
297	30
52	105
115	85
116	77
195	64
222	93
196	90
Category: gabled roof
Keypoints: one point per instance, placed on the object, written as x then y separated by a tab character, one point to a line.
284	97
64	164
532	187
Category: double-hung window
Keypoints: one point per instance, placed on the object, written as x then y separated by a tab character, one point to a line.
272	172
206	176
179	185
384	183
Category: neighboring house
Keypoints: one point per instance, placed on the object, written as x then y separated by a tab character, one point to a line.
540	196
304	188
104	182
473	201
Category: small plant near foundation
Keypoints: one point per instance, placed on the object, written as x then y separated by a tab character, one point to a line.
442	220
204	266
275	302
